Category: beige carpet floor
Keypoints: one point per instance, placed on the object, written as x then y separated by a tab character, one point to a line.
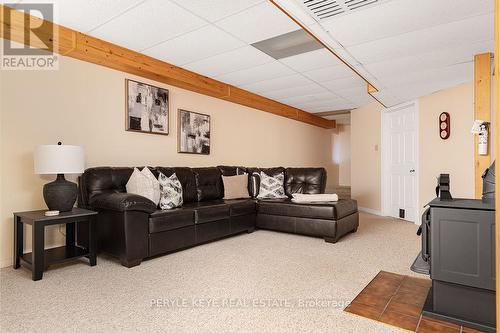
260	282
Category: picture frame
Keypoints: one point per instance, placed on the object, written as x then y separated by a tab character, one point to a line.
193	132
147	108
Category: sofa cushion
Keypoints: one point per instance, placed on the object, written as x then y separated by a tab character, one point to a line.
187	179
122	202
241	207
209	211
305	180
163	220
329	211
208	184
99	180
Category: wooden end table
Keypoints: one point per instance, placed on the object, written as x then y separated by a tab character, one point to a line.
40	259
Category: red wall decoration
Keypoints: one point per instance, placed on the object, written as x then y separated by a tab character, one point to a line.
444	125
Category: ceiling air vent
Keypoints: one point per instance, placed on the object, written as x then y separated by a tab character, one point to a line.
324	9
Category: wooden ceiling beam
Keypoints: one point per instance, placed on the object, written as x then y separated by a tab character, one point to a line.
74	44
482	111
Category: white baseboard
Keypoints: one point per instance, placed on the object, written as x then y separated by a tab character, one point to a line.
370	211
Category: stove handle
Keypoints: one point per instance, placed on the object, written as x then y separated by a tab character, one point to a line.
425	234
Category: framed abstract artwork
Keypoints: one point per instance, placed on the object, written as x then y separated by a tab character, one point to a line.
193	132
147	108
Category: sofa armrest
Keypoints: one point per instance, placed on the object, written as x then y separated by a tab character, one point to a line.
122	202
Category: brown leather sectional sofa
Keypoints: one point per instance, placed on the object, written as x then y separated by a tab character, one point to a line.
132	228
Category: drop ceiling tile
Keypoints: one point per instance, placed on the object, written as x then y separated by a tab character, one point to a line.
236	60
257	23
146	25
411	91
263	72
456	54
437	58
295	91
397	17
358	95
472	30
308	61
309	98
84	15
329	73
278	83
388	98
213	10
196	45
323	103
341	105
296	8
458	72
344	83
389	67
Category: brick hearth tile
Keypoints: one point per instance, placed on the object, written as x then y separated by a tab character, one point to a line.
364	310
430	326
399	320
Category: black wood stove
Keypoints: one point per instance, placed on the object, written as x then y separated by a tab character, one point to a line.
458	252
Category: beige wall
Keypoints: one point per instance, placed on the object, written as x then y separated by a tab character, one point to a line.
365	156
341	153
454	156
83	104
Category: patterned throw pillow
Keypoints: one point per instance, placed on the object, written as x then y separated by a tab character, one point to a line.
171	191
141	184
272	187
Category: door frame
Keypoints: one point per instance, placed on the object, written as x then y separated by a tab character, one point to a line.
384	156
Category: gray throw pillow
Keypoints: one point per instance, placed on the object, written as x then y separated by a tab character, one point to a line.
235	187
171	191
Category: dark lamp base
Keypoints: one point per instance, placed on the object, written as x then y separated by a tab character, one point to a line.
60	194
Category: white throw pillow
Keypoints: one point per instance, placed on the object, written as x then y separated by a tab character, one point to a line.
156	185
171	191
272	187
140	184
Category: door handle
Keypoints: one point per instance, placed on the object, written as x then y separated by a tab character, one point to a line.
412	170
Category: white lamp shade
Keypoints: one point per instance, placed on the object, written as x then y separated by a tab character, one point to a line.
54	159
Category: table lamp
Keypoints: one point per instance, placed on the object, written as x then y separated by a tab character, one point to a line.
59	195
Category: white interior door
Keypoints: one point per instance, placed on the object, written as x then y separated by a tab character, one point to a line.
400	162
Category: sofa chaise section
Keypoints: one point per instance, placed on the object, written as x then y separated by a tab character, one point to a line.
328	220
